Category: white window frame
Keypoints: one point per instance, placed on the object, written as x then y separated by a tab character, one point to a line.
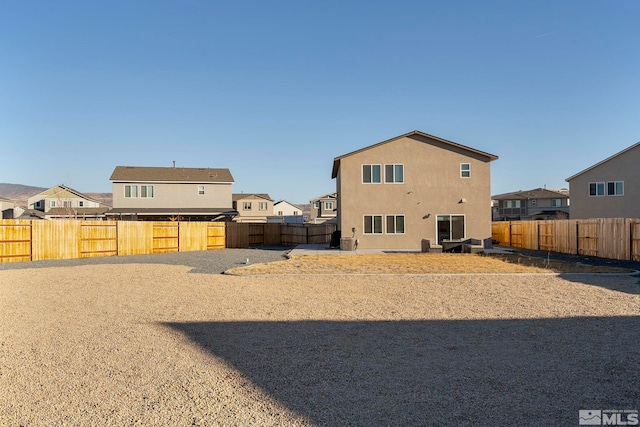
597	187
132	189
246	206
395	224
328	206
534	202
556	203
316	205
615	188
465	173
201	190
372	220
371	181
262	206
394	174
52	203
145	189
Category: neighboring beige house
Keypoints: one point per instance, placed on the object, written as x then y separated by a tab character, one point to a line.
324	208
252	207
608	189
284	208
7	208
536	204
65	202
394	194
171	193
287	213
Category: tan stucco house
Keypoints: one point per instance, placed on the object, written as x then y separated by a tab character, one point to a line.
324	208
394	194
171	193
608	189
62	201
252	207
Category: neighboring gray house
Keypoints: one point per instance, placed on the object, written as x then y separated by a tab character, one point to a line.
536	204
394	194
324	208
65	202
252	207
608	189
172	193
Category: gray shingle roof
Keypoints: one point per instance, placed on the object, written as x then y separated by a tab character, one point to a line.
160	174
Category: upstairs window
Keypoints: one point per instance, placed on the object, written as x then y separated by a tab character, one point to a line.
596	189
394	174
556	203
201	190
52	203
262	206
316	205
80	203
465	170
371	174
130	191
615	188
246	206
328	206
146	191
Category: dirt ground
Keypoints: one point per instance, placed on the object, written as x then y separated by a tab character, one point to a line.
422	263
162	344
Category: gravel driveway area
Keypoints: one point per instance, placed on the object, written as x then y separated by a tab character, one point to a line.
167	340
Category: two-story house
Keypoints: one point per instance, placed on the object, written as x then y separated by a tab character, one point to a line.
252	207
65	202
394	194
171	193
536	204
324	208
608	189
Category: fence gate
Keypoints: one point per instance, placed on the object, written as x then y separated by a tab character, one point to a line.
98	238
165	237
546	236
516	235
588	238
15	240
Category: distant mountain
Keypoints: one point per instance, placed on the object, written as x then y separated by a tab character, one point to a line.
20	193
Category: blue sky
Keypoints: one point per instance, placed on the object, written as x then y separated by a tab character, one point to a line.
274	90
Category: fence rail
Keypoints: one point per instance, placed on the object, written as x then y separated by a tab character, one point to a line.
26	240
616	238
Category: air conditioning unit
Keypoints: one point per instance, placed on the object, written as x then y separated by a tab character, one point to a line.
347	244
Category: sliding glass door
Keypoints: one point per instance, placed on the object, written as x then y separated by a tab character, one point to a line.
450	227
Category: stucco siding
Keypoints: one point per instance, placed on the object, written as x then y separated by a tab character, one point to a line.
432	186
172	195
621	168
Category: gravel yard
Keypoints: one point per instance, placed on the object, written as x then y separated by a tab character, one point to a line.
167	340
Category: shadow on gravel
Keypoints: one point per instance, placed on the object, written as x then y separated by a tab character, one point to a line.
207	262
460	372
629	284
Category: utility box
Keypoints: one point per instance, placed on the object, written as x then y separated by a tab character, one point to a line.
347	244
425	246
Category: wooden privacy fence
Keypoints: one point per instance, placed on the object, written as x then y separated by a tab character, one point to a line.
26	240
22	240
245	235
616	238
